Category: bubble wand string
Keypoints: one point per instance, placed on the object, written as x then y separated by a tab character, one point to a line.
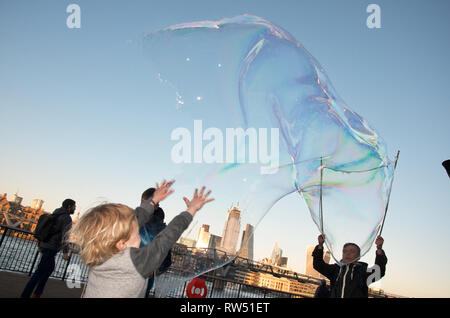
390	189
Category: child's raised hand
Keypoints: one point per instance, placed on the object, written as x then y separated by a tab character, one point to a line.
162	191
197	201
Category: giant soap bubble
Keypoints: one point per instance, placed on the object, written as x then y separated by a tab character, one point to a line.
253	116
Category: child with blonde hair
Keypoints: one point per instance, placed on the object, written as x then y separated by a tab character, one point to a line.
108	237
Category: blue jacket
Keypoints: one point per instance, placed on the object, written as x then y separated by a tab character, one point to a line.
148	232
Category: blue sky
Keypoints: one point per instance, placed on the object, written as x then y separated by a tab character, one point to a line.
75	103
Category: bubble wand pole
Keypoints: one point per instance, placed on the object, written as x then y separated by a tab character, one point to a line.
320	201
390	189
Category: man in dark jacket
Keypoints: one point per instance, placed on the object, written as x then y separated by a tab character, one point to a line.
50	248
351	279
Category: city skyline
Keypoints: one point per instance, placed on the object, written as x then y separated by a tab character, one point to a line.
230	237
207	240
204	237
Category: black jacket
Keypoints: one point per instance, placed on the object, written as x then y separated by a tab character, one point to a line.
62	226
348	281
322	292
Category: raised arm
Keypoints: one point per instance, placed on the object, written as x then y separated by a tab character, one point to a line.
145	211
380	259
318	262
149	258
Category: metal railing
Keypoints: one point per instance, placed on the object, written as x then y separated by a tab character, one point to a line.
19	253
218	287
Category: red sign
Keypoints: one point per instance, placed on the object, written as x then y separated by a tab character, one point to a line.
196	288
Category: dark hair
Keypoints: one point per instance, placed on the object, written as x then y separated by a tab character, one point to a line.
67	203
147	194
353	244
159	213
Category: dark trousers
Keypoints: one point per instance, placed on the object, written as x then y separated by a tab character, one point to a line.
41	275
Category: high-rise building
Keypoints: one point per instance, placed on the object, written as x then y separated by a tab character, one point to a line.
214	243
203	237
310	271
231	231
277	252
37	204
283	262
247	242
17	200
187	242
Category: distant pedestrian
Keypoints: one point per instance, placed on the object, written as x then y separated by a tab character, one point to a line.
322	291
50	248
148	232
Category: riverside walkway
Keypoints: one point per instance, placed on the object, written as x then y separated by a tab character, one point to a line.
19	257
12	284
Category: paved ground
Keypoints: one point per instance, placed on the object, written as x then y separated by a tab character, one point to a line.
12	284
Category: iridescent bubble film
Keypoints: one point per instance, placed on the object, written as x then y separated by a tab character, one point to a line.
296	134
